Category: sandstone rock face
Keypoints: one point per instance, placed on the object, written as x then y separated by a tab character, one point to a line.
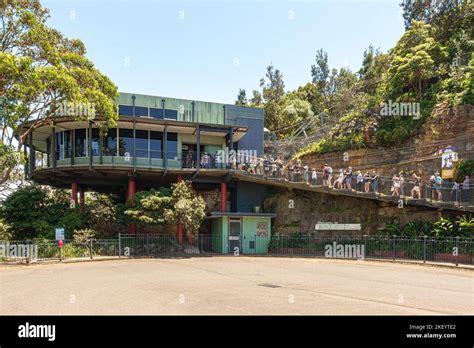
309	208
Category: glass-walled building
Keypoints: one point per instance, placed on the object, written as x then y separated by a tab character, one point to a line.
156	142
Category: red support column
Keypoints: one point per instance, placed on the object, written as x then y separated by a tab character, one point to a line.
74	192
132	228
179	178
82	198
223	197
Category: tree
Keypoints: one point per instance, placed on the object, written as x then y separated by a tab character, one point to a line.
151	207
42	69
446	15
257	99
241	98
189	209
417	58
273	89
320	70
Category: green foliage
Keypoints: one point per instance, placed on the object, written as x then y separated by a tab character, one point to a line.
42	69
178	205
189	209
464	168
151	207
463	227
84	236
241	98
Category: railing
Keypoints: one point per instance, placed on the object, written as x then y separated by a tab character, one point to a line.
378	188
454	250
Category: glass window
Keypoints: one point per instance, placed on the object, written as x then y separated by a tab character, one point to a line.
156	139
141	111
48	149
110	142
59	146
67	144
95	142
171	114
172	145
126	142
81	143
125	110
141	143
156	113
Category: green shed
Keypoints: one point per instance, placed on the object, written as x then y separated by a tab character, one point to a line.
245	233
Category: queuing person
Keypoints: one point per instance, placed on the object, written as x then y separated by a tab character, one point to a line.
291	168
438	182
432	186
266	166
359	181
374	181
466	189
306	174
367	180
416	187
395	185
314	177
340	179
329	183
349	179
274	169
325	174
456	191
402	185
205	161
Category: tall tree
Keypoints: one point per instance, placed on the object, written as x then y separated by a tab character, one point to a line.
320	70
417	58
273	90
257	99
241	98
42	69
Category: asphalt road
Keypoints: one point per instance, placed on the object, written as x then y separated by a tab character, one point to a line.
235	285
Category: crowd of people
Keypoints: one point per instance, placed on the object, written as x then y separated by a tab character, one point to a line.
401	185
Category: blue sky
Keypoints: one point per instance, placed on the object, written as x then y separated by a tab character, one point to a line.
207	50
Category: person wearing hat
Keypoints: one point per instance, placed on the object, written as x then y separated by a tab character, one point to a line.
349	179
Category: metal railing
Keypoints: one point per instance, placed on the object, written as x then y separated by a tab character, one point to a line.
454	250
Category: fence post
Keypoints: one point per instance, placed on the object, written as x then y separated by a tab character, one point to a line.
120	245
365	246
90	249
394	236
457	250
424	249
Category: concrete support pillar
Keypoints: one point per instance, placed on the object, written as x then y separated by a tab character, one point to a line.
223	197
74	192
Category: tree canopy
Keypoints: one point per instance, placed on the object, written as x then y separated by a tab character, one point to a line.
41	69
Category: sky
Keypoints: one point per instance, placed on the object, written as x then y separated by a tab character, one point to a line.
207	50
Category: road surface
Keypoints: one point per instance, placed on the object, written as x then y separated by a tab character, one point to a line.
235	285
